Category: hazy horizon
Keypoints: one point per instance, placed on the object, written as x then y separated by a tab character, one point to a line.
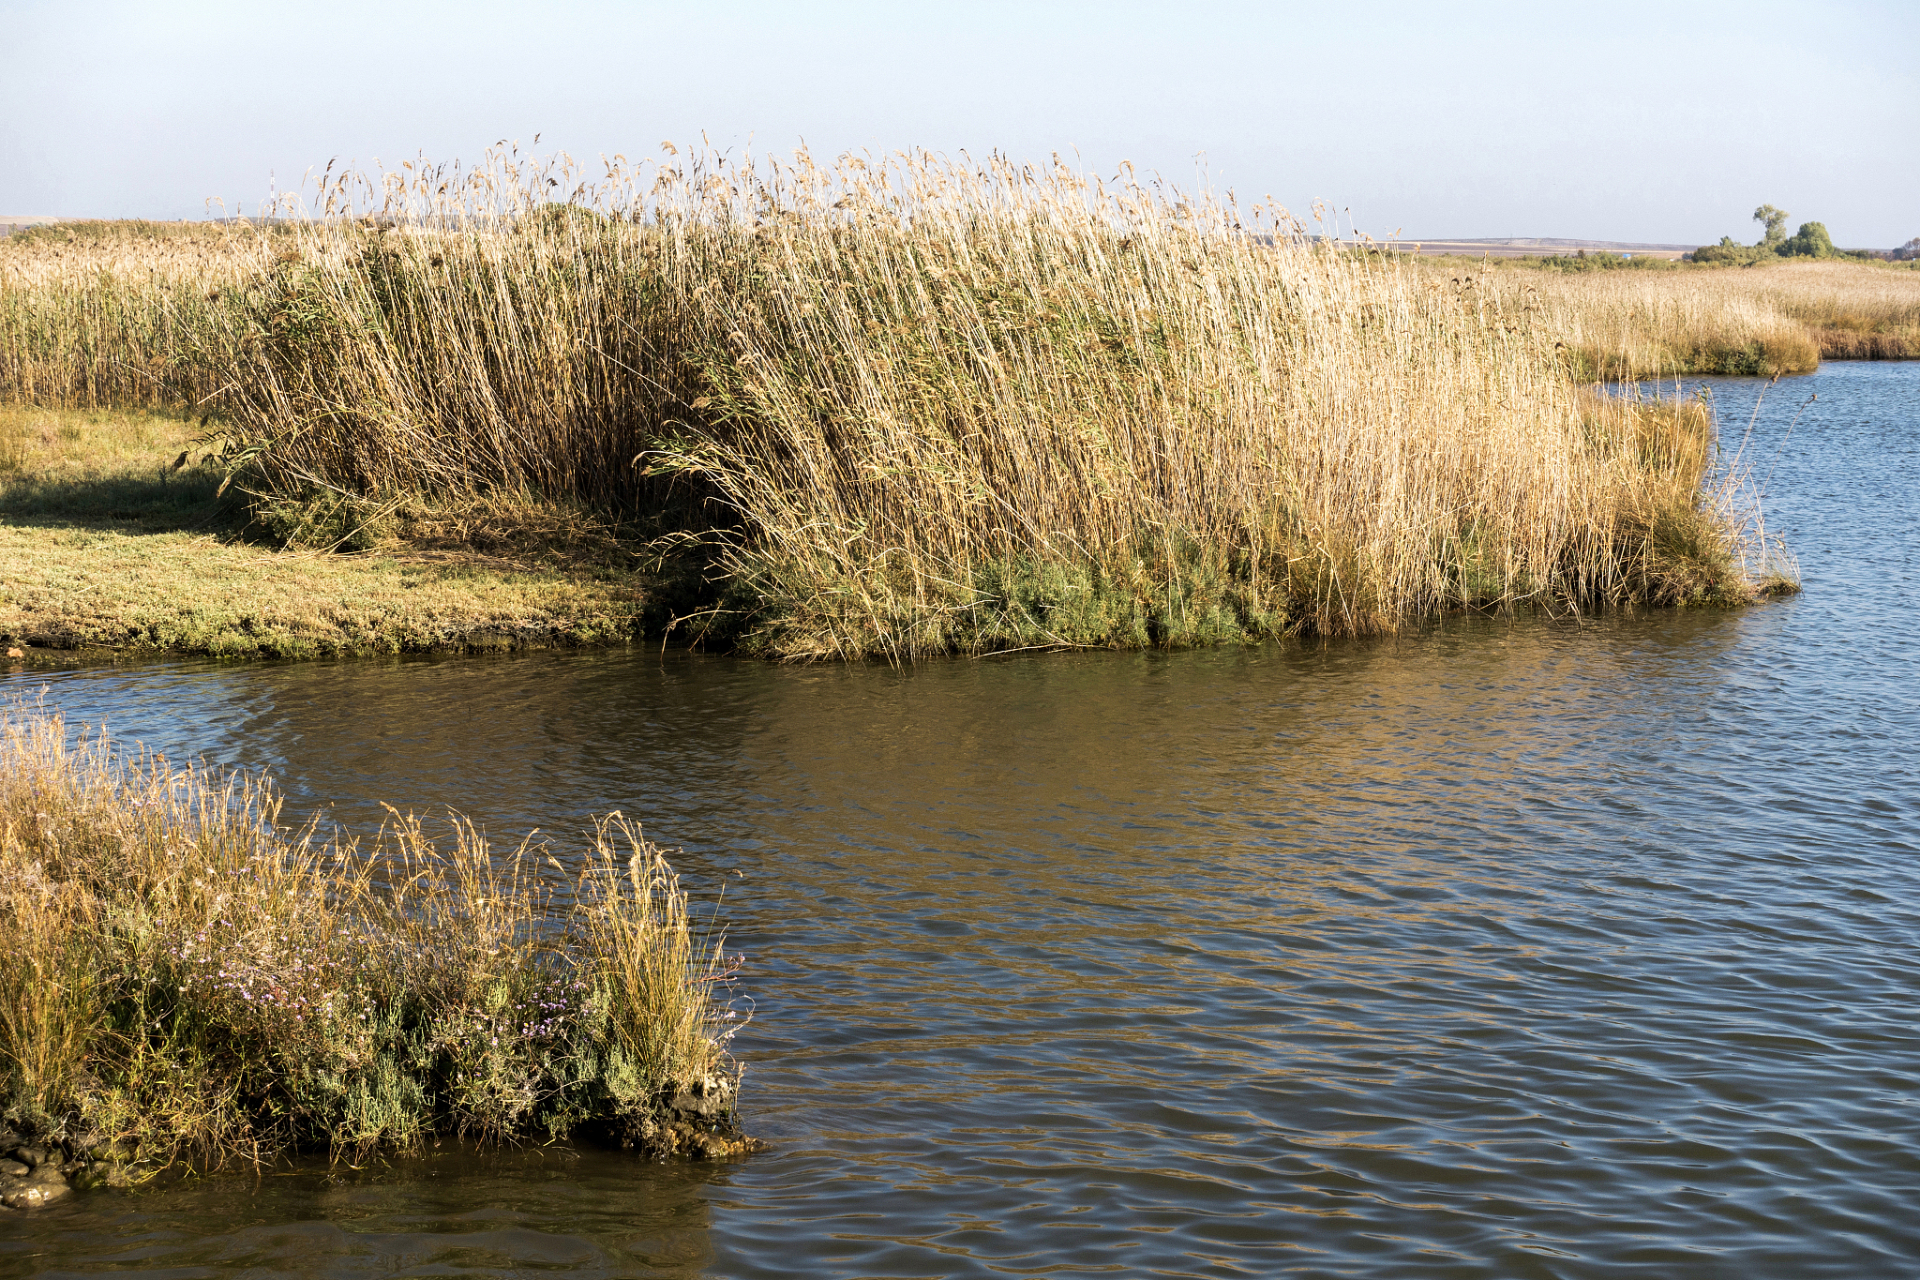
1647	126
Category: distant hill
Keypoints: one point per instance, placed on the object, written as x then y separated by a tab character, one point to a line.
12	222
1537	247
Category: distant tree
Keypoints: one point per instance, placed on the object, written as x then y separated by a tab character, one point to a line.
1775	221
1810	241
1908	251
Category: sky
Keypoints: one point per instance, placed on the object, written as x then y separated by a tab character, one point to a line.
1658	123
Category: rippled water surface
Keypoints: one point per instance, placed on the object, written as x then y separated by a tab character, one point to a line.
1517	948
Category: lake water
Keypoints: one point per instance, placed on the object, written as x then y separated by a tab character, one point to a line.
1516	948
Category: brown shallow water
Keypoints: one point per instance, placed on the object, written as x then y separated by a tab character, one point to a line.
1517	948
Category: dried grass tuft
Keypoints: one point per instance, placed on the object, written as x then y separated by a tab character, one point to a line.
187	980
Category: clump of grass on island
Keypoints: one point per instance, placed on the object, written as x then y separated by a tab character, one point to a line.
913	406
187	981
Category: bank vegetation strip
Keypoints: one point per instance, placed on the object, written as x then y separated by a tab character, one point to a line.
909	406
105	543
1666	320
189	982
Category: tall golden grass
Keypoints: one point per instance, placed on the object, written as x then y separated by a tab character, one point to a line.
1781	318
1856	311
909	405
112	314
185	979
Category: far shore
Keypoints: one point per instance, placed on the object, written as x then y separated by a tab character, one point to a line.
1540	248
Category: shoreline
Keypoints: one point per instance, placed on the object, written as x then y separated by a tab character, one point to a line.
112	553
105	545
67	590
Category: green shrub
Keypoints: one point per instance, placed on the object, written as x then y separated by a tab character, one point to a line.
1810	241
1730	252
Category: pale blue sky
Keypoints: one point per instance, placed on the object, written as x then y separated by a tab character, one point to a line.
1630	121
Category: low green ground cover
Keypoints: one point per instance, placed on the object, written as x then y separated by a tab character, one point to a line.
104	541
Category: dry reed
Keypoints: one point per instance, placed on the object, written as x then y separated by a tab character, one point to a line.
102	314
1782	318
908	406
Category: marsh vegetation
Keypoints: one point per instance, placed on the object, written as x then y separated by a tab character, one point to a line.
114	535
188	981
1668	319
903	407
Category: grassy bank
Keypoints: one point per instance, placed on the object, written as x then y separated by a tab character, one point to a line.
909	407
1677	318
185	980
105	542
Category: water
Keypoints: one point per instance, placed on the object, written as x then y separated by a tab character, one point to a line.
1519	948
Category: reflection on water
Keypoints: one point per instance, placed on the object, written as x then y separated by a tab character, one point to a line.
1517	948
455	1212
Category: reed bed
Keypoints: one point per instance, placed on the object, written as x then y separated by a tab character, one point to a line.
1781	318
906	406
186	980
118	314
